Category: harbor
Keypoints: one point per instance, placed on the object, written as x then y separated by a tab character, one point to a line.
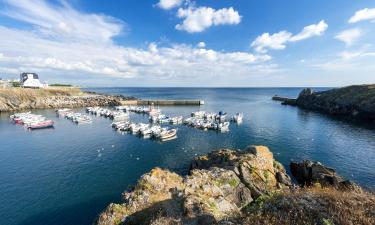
86	155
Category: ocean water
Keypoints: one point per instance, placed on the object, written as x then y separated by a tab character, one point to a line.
68	174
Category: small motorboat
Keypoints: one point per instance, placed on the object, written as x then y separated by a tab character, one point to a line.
221	116
168	134
238	118
40	125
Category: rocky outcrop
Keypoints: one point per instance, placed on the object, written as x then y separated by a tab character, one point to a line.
25	99
356	101
219	186
308	173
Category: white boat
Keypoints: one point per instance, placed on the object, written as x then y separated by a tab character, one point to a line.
238	118
176	120
168	134
223	126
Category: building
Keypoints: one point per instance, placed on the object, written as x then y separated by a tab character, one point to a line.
5	83
30	80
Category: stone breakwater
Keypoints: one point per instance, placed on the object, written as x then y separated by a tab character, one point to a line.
26	99
223	187
61	102
356	102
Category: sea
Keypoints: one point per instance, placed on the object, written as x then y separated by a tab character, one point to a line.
68	174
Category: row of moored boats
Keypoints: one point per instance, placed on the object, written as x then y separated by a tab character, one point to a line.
31	121
121	121
75	117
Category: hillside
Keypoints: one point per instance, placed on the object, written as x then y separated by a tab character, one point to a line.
357	101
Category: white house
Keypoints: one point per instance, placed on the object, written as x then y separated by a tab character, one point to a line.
30	80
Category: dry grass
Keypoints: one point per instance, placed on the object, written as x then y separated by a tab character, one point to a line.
27	93
314	206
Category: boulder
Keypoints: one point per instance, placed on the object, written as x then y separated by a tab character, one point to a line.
219	186
305	92
308	173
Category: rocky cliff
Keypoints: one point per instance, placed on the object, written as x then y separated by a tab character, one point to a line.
356	101
238	187
15	99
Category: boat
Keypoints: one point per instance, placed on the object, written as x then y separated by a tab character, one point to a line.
168	134
40	125
221	116
238	118
63	112
223	126
176	120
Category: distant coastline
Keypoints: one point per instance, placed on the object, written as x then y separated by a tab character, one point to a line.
353	102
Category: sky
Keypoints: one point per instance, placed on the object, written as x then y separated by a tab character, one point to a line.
180	43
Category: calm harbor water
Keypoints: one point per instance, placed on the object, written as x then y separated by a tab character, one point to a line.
68	174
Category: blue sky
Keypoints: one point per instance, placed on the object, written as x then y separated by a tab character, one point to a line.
190	43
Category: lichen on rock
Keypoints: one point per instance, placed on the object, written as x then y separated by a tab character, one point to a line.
219	185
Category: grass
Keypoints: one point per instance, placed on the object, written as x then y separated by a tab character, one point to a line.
313	206
28	93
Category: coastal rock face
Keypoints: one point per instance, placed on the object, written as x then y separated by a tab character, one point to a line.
227	187
356	101
308	173
14	99
218	187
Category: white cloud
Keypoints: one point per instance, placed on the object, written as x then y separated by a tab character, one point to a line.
79	54
201	44
201	18
310	31
278	40
364	14
349	36
346	55
169	4
63	22
274	41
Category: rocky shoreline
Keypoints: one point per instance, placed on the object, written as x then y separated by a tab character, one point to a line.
26	99
354	102
241	187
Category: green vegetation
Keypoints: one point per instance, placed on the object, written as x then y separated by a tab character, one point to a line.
61	85
16	84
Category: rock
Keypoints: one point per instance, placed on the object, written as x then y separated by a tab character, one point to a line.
305	92
23	99
356	102
308	173
219	186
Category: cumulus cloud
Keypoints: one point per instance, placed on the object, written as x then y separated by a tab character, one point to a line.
201	44
310	31
364	14
349	36
279	40
84	47
201	18
169	4
274	41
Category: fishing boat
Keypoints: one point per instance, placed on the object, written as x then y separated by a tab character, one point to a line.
238	118
168	134
40	124
221	116
176	120
223	126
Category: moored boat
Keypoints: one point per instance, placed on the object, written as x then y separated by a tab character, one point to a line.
40	124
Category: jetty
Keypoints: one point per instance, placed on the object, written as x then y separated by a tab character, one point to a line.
162	102
281	98
285	100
